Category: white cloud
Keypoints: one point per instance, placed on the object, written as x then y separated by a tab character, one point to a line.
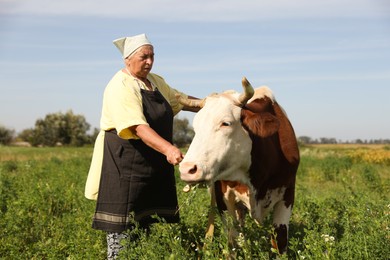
199	10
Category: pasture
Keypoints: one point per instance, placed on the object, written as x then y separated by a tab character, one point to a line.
341	211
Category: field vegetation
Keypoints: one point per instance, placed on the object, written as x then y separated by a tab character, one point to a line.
342	210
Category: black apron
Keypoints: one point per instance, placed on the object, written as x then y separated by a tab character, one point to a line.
137	182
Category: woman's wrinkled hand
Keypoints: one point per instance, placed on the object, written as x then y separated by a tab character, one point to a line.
174	155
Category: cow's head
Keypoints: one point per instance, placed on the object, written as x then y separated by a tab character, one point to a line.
221	148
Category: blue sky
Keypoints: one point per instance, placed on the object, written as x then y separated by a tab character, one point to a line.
328	62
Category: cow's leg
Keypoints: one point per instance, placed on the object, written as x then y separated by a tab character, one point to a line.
281	220
232	221
232	200
273	200
211	218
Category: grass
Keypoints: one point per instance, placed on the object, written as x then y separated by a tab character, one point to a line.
342	211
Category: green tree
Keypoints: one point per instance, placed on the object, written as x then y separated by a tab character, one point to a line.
92	137
26	135
6	135
182	132
59	128
305	140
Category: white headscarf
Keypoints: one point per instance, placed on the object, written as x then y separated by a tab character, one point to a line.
128	45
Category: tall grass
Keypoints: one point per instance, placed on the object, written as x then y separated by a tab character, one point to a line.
341	211
43	213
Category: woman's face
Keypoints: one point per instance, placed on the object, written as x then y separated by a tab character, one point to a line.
140	63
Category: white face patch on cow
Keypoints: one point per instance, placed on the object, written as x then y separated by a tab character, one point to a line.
221	147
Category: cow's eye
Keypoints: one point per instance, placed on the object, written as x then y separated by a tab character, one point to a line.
226	123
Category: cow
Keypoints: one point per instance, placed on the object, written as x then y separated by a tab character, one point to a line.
245	148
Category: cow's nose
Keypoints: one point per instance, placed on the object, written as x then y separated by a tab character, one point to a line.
188	168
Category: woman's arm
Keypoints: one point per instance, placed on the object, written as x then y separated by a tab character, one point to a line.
155	141
192	109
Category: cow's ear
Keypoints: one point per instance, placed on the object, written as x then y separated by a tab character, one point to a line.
261	124
287	136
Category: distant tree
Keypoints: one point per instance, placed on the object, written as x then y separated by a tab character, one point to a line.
92	137
59	128
26	135
358	141
182	132
304	139
6	135
325	140
75	131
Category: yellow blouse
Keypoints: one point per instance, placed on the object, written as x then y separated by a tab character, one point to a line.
122	102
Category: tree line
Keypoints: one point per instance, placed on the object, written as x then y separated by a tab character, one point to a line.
69	129
325	140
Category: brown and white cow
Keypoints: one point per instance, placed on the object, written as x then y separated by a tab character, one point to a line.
245	146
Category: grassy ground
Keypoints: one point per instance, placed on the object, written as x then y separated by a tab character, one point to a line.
342	210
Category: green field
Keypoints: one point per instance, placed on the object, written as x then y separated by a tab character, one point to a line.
341	211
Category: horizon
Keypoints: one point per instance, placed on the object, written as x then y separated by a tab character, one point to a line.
327	63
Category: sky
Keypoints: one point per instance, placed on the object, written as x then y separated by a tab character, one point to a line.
327	62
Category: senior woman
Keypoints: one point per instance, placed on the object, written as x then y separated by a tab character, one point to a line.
133	160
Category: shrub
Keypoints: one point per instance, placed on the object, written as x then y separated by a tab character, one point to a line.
6	135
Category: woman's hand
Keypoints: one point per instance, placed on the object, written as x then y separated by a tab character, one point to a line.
174	155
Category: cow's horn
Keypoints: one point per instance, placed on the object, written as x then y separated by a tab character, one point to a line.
199	103
248	92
